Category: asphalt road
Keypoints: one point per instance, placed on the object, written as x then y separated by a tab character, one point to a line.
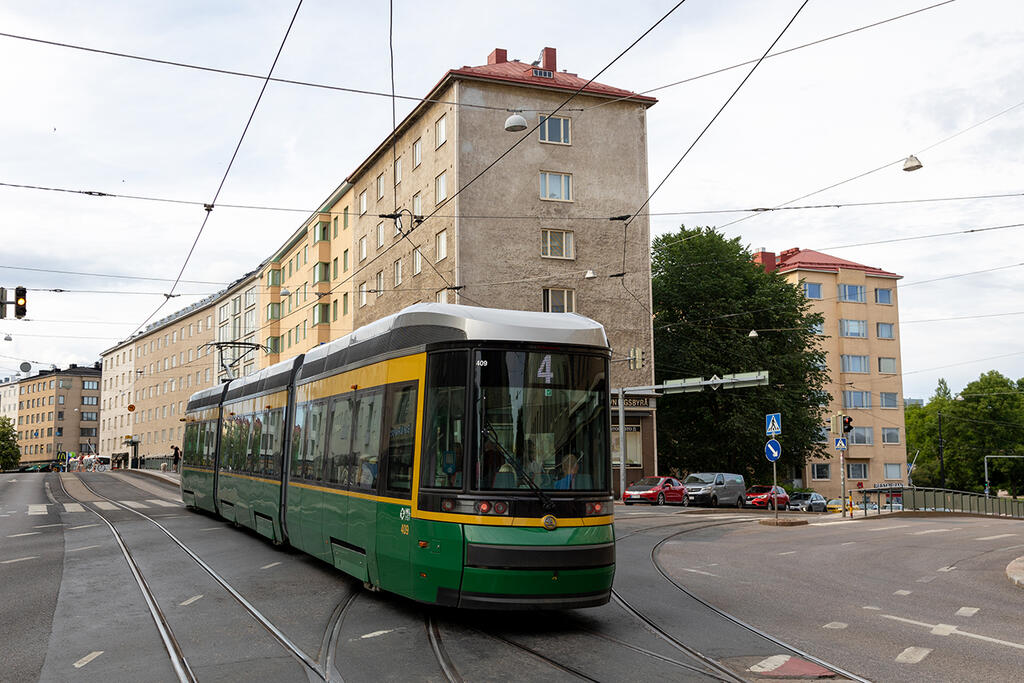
70	607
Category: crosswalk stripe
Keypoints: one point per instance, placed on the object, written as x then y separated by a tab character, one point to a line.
134	504
913	655
162	503
927	531
104	505
73	507
38	509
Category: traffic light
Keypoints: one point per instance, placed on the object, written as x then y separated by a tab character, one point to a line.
847	424
20	302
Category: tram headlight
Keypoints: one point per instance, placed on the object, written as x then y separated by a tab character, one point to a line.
483	506
594	508
447	505
500	507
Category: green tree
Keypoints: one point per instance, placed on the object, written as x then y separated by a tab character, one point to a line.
708	294
10	454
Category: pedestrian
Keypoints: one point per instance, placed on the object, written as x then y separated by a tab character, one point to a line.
177	456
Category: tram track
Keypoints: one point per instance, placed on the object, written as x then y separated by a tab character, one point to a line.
315	670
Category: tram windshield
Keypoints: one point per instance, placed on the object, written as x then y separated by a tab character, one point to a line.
543	421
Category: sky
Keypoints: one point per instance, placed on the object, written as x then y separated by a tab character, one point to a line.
946	84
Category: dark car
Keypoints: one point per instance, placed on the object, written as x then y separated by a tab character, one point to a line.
807	501
654	490
765	496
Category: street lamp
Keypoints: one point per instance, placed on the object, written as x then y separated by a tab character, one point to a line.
912	163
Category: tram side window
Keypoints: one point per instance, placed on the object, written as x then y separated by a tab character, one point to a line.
401	437
445	420
296	445
210	451
312	463
200	454
254	458
366	441
339	444
271	450
188	448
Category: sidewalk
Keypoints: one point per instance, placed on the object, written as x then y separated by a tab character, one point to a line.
172	477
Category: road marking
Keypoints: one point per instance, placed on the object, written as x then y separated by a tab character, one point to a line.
848	543
268	566
46	526
769	664
992	538
956	631
697	571
104	505
134	504
86	526
845	521
927	531
162	503
215	528
87	547
27	533
374	634
902	592
871	607
913	655
943	629
788	552
38	509
887	528
88	658
20	559
835	625
945	569
926	579
73	507
190	601
967	611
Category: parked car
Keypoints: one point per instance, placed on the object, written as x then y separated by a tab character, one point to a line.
766	496
656	491
714	489
836	505
807	501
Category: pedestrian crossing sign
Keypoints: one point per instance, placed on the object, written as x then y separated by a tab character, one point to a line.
840	443
773	424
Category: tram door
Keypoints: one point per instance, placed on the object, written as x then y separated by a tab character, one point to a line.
336	475
394	515
305	495
364	461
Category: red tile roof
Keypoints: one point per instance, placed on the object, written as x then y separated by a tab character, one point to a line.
808	259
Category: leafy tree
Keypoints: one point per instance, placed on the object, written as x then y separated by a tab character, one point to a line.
10	454
708	294
986	418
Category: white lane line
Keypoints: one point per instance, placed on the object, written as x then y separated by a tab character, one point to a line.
835	625
163	503
104	505
38	509
697	571
374	634
943	629
902	592
268	566
945	569
20	559
134	504
872	607
215	528
831	523
46	526
927	531
86	547
27	533
73	507
956	631
88	658
913	655
967	611
848	543
887	528
86	526
992	538
190	601
788	552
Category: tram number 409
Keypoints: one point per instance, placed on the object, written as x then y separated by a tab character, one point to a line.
405	514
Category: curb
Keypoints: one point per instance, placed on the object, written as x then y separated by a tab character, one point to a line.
1015	571
783	522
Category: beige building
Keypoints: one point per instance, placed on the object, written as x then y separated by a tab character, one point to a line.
58	413
860	336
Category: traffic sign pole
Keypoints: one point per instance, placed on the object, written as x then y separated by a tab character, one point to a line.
775	495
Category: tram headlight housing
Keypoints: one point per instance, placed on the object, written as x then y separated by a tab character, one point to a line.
487	507
595	508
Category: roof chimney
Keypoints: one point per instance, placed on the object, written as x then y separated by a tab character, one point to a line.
499	56
547	59
766	259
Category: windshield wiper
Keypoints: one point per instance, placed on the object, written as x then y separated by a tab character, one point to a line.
490	433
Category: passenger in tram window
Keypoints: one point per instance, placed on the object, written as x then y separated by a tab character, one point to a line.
570	465
492	461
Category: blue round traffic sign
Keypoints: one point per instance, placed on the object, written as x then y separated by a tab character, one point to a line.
773	450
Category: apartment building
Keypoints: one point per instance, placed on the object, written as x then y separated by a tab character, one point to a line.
860	336
423	218
58	413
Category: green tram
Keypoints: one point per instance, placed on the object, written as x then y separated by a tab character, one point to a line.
451	454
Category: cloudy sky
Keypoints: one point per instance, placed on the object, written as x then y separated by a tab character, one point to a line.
944	83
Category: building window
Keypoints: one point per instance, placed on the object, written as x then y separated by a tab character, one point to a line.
887	366
854	363
853	328
890	434
398	272
362	294
322	232
557	244
90	384
362	248
344	261
380	186
362	202
398	170
818	328
335	226
441	245
334	268
344	303
856	470
417	152
862	436
556	186
273	345
380	283
441	297
344	218
440	131
250	300
854	293
273	278
321	314
441	187
893	470
856	399
883	296
559	301
273	311
887	399
554	129
417	205
417	261
812	290
321	272
380	234
821	470
823	434
886	330
89	417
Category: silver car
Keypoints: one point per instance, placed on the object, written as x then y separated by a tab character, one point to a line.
714	489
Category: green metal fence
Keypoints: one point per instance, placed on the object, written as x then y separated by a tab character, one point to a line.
945	500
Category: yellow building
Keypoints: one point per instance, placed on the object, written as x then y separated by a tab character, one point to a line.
860	336
58	413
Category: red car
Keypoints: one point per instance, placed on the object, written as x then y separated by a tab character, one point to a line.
761	496
655	490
